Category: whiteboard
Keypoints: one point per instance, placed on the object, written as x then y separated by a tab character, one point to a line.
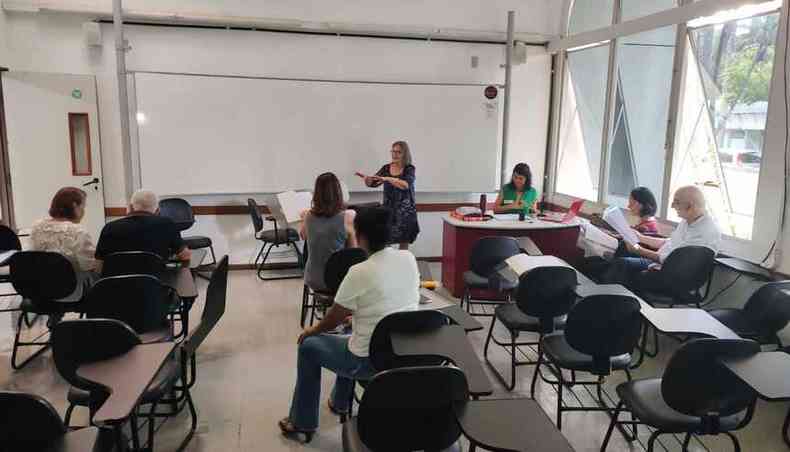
227	135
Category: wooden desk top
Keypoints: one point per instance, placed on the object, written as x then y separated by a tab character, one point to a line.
180	279
667	320
510	424
448	342
127	376
768	373
532	223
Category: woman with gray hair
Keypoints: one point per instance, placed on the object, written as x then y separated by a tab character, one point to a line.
398	178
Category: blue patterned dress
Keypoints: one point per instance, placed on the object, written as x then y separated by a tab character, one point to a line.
404	209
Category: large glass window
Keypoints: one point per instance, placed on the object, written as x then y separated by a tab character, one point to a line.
723	116
581	125
589	15
632	9
639	120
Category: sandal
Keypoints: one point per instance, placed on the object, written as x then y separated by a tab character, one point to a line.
289	430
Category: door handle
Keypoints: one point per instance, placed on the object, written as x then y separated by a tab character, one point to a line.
93	181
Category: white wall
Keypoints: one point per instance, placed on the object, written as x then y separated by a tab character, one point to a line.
5	54
50	42
540	17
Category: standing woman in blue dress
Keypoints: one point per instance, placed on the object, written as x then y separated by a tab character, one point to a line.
398	178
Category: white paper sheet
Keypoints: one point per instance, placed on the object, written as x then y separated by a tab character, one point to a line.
615	218
593	234
294	203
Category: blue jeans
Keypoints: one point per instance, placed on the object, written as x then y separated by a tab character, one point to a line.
624	269
328	351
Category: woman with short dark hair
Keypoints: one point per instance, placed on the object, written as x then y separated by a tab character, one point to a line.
385	283
62	233
327	227
642	204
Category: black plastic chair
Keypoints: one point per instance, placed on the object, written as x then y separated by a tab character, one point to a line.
600	333
139	301
682	276
83	341
180	211
382	355
335	270
9	241
543	298
271	238
408	409
41	278
487	254
29	423
696	395
147	263
765	313
213	310
133	263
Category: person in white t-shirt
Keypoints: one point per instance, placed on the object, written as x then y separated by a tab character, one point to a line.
387	282
696	228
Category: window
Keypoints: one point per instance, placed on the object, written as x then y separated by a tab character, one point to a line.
632	9
639	121
79	133
723	115
581	122
589	15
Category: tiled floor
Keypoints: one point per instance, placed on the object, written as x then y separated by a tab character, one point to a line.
247	369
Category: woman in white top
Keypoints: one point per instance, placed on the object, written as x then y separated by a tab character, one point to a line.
386	283
62	233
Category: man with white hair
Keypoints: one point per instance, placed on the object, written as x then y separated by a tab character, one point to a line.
143	230
696	228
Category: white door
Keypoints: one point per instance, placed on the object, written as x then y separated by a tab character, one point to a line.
53	142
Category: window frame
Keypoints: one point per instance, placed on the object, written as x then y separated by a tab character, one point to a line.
614	34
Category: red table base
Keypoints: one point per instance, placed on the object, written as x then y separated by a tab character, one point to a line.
457	242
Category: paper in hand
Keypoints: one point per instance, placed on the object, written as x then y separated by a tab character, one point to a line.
294	203
615	218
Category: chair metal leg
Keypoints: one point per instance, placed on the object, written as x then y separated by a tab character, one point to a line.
686	442
785	428
67	417
260	251
193	426
305	305
509	386
611	426
735	443
536	373
152	428
265	256
559	400
651	442
17	344
133	427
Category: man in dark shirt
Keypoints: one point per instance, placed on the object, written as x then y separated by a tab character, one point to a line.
143	230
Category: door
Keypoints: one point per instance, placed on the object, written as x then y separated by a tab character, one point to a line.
53	142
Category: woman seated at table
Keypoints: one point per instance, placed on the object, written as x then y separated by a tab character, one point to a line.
386	282
518	195
642	204
327	227
62	233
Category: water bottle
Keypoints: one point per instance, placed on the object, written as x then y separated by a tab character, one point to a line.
483	204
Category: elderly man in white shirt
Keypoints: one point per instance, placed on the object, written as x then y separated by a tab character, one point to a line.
696	228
